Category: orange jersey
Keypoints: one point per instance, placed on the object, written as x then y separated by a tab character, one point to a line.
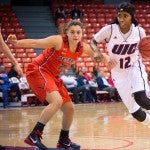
56	62
43	74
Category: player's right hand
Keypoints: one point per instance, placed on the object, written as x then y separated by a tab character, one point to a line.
12	39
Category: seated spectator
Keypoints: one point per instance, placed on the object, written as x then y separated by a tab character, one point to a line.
13	73
61	28
85	74
111	83
90	92
60	13
95	72
6	86
71	85
76	13
105	86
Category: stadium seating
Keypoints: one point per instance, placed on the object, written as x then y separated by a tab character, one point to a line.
11	25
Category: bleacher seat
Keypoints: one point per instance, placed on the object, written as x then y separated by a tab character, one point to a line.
21	55
26	60
32	55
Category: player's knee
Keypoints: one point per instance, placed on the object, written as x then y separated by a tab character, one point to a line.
139	115
55	101
68	109
142	99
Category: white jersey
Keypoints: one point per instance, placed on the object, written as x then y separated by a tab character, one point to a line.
121	47
129	74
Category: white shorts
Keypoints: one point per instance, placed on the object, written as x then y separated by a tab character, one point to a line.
130	81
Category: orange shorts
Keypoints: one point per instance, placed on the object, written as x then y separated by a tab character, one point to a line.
42	82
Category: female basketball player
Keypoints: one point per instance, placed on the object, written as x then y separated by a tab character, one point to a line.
5	49
60	52
128	71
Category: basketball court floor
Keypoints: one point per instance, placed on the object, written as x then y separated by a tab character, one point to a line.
102	126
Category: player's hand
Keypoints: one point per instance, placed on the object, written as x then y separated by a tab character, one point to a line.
98	56
19	70
111	64
12	39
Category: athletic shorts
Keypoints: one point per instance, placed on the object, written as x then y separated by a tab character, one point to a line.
130	81
42	82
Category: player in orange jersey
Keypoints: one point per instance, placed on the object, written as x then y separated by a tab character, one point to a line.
5	49
60	51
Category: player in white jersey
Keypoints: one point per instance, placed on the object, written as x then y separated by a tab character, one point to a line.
127	69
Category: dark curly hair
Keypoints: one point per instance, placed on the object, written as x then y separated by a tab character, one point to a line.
129	8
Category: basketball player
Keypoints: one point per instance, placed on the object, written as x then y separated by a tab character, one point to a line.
127	69
5	49
60	52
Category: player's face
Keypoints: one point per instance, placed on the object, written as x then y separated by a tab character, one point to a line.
124	20
74	34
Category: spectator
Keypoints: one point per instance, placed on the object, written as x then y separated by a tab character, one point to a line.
15	86
86	75
95	72
71	85
13	73
6	86
111	83
90	93
60	13
61	28
105	86
76	13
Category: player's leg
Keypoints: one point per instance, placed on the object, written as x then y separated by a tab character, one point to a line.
64	140
124	88
55	101
45	88
132	106
139	86
142	99
142	116
68	112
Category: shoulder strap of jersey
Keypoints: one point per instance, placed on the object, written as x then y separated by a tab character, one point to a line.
65	40
79	47
139	32
110	34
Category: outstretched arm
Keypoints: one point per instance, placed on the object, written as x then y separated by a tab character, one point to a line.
103	57
5	49
96	50
93	51
48	42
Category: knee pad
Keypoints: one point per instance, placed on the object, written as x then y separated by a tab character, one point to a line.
139	115
142	99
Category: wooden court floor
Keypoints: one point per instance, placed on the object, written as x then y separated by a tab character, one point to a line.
102	126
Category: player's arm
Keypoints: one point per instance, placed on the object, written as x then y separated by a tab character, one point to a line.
93	45
5	49
93	52
48	42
